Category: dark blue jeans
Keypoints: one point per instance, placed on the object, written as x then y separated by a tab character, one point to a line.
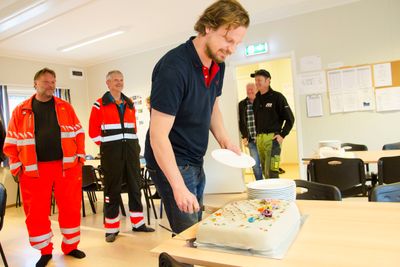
195	180
254	154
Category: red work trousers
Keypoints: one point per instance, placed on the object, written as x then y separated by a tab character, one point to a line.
36	197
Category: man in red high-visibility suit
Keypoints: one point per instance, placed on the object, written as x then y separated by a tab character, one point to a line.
45	145
112	125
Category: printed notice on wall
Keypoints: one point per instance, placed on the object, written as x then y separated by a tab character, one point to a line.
312	83
310	63
387	99
314	106
351	89
383	74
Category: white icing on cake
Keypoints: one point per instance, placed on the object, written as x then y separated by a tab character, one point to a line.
245	225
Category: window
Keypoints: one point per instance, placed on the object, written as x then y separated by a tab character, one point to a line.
18	94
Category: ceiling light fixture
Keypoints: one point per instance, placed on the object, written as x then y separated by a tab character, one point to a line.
23	15
92	40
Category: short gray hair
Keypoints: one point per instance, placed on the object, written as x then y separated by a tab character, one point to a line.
112	72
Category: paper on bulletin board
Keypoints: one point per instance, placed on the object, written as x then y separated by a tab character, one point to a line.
387	99
336	102
314	106
351	89
349	79
383	74
366	98
350	101
335	80
310	63
364	76
312	83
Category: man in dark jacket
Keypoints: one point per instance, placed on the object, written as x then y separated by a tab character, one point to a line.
247	127
274	120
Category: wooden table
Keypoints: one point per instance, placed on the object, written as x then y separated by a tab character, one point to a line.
335	233
371	156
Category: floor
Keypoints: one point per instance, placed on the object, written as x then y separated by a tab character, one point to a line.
129	249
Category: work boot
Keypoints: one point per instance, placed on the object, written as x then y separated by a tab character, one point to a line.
143	228
111	237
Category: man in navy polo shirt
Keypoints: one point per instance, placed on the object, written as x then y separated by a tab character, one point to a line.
186	84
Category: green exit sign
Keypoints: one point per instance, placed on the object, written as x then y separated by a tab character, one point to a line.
256	49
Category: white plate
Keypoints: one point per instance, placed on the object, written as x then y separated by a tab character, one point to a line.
272	184
232	159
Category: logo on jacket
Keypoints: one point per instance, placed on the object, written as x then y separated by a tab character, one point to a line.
268	105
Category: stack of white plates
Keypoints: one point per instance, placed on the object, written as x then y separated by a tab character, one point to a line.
284	189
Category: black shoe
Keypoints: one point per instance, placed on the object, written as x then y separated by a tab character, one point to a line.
44	260
111	237
281	171
143	228
76	253
155	196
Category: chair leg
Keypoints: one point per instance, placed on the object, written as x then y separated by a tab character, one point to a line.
18	200
161	209
146	197
152	202
121	204
53	202
91	201
154	209
3	256
83	206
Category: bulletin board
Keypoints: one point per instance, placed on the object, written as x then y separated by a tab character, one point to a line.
365	87
395	73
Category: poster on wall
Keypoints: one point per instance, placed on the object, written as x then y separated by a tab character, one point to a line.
314	106
351	89
142	118
388	99
383	74
312	83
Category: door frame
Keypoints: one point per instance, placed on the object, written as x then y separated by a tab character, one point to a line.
298	121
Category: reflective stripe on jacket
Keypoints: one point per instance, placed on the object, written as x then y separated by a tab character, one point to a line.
20	145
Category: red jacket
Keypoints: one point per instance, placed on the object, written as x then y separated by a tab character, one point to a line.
20	146
105	124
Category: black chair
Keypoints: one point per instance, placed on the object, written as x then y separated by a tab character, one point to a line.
391	146
346	174
386	193
165	260
3	201
389	170
354	147
90	184
317	191
360	147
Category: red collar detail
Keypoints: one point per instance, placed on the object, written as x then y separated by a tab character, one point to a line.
209	75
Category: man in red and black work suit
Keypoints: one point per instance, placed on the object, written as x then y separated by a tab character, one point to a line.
112	125
46	146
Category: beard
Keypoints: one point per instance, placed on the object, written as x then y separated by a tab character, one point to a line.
214	56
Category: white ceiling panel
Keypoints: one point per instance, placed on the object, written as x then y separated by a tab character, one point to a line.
149	24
